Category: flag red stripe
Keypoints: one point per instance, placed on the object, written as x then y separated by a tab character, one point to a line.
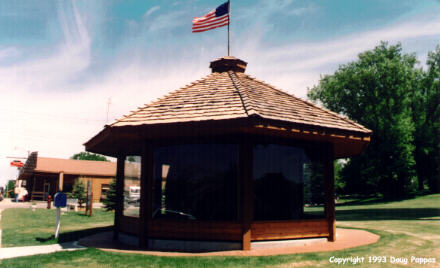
210	28
223	23
218	17
204	18
211	23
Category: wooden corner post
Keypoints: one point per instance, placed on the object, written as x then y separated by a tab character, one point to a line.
245	163
119	195
146	202
60	181
330	193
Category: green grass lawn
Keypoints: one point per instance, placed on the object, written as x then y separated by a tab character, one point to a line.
407	228
24	227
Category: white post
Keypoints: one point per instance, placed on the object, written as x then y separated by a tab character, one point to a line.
57	230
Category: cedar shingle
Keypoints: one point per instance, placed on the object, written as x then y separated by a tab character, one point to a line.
232	94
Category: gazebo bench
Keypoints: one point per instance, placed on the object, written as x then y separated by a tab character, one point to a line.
72	203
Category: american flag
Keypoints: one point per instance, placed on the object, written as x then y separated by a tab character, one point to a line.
216	18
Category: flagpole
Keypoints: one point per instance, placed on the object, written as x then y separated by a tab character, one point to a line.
229	20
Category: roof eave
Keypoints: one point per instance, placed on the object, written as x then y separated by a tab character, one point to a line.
115	140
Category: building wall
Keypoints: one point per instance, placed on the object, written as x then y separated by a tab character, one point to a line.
37	190
97	183
68	182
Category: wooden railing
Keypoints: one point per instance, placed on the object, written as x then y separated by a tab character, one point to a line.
37	195
273	230
231	231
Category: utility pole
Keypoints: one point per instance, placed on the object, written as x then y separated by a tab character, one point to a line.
108	108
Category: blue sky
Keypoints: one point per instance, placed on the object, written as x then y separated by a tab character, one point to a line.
61	62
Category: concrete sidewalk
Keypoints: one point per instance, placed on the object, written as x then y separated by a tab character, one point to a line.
6	253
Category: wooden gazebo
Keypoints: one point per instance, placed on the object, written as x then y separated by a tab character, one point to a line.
228	158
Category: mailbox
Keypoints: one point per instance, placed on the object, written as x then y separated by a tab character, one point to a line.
60	200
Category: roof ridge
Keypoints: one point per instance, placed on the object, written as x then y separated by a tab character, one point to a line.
242	94
239	93
310	104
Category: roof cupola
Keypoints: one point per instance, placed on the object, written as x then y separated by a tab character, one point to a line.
228	63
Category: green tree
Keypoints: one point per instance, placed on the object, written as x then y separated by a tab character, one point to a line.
110	200
375	91
10	188
131	158
89	156
79	193
429	127
339	182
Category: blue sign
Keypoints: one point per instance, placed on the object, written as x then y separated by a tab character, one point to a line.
60	200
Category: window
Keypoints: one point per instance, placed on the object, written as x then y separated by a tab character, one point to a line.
67	187
104	190
288	183
132	185
195	182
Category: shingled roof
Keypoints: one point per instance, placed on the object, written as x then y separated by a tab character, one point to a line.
49	165
38	164
230	101
232	94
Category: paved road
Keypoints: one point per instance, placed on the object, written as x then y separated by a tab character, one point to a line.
8	203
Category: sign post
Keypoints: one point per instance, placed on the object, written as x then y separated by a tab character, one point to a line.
60	201
89	203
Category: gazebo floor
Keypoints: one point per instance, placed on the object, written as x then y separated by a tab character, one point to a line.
345	238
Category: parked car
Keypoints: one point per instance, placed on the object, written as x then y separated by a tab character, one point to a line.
133	196
172	214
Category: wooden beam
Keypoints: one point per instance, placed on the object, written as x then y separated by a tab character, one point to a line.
119	195
245	165
330	193
146	202
33	188
289	229
60	181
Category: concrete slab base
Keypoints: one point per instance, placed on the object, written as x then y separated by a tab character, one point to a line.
287	243
181	245
346	238
208	246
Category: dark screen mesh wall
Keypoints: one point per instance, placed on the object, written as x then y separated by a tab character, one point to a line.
288	183
195	182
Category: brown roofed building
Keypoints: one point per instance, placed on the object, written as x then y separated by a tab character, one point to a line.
229	158
43	176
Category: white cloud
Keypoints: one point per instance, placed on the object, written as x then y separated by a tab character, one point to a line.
167	20
265	11
9	52
298	66
151	11
33	86
41	115
69	58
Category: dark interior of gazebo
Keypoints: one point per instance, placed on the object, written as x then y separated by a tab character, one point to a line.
213	172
